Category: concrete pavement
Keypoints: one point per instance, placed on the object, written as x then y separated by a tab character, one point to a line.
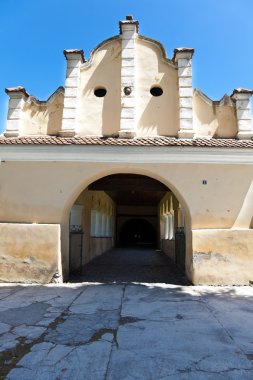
125	331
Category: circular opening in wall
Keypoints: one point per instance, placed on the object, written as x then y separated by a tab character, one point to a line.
100	92
156	91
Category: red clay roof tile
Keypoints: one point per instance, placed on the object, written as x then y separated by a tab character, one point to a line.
113	141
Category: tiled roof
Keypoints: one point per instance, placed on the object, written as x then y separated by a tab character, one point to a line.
145	141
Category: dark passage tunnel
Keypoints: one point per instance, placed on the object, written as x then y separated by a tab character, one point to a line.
136	198
137	232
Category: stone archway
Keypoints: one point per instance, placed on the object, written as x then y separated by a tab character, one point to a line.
129	209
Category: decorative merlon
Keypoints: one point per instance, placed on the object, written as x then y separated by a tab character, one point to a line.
74	60
242	91
74	54
241	96
18	97
183	56
128	21
128	30
181	53
13	91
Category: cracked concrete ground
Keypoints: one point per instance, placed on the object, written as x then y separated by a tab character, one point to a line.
125	331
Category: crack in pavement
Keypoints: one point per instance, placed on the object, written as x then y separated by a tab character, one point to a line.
212	312
128	319
12	293
10	357
99	333
111	330
249	356
115	342
195	371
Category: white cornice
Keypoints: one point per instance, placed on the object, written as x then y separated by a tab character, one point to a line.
90	60
119	154
139	37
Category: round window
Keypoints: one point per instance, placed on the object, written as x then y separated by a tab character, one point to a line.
156	91
100	92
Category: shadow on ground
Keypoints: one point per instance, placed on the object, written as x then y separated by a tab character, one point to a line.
134	264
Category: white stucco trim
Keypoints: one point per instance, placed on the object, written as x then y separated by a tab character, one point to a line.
124	154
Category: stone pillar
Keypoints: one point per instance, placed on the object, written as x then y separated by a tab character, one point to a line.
182	57
74	60
243	113
18	97
128	31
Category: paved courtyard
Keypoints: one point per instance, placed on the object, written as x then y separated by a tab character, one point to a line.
125	331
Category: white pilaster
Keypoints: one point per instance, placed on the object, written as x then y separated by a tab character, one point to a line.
74	60
18	97
128	30
183	58
243	113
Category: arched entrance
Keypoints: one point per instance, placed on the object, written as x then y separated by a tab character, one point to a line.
128	210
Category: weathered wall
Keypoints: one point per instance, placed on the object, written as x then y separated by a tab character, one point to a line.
155	115
42	118
44	192
212	119
222	256
29	252
100	116
94	243
99	246
168	247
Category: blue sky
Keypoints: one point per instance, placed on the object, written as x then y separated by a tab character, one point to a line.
33	34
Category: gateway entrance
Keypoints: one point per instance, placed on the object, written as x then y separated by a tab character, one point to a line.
129	221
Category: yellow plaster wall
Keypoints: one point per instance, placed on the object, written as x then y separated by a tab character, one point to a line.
38	191
29	252
100	116
212	120
155	115
43	119
44	192
222	256
99	201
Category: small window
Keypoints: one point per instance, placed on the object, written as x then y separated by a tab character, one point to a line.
156	91
100	92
